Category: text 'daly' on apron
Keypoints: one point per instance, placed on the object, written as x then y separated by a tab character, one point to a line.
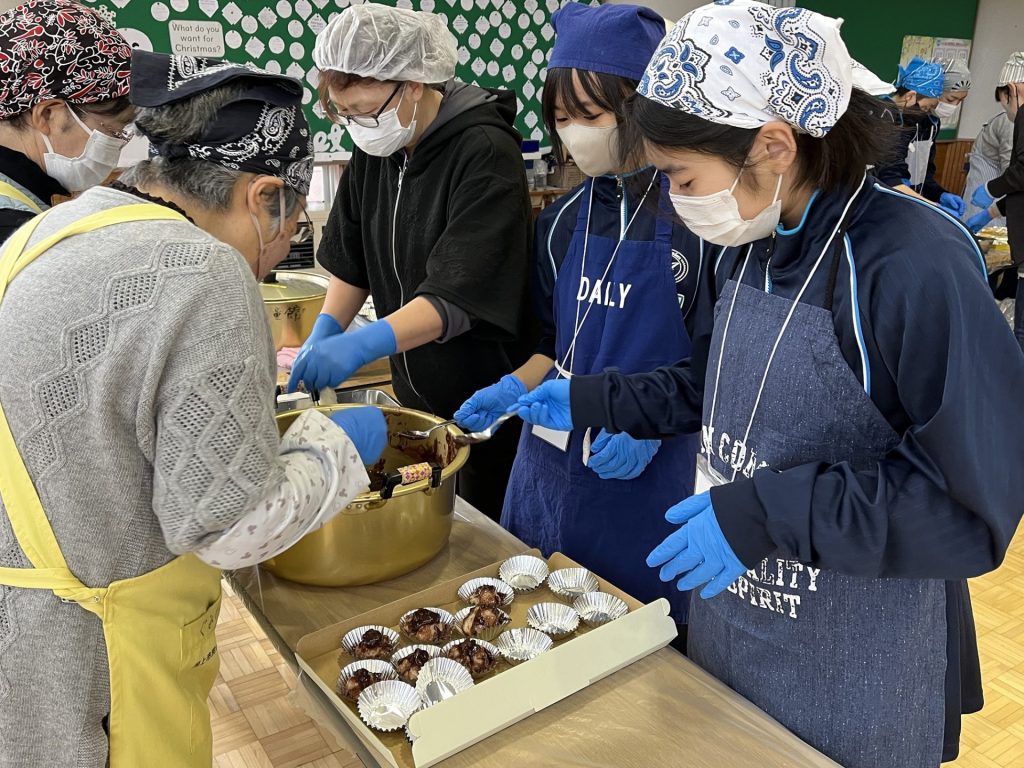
616	306
853	666
159	628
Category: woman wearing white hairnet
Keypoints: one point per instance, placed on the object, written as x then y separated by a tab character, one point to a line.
432	219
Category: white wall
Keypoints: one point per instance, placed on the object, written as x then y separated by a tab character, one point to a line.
998	32
672	10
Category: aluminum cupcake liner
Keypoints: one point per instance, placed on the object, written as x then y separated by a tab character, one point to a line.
570	583
374	666
486	633
523	573
554	619
483	644
519	645
432	650
447	623
597	608
388	705
505	592
449	674
352	638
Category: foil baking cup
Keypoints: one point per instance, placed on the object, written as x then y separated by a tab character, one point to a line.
433	650
352	638
597	608
446	672
483	644
505	592
519	645
554	619
523	572
570	583
388	705
485	633
374	666
447	623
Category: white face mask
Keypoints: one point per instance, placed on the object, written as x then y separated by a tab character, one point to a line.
716	218
595	150
273	253
388	137
945	110
98	159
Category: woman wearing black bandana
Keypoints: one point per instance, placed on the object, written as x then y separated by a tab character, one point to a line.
139	454
432	219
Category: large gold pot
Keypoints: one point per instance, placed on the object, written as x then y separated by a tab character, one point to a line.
375	538
293	300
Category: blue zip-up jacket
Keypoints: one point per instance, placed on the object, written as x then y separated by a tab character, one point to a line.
916	322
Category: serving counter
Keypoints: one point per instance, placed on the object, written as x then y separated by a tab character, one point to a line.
659	711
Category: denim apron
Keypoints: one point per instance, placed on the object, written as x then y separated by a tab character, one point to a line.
853	666
616	305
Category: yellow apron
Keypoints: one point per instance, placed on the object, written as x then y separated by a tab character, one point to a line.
11	191
159	627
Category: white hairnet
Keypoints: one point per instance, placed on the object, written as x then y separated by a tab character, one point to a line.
385	43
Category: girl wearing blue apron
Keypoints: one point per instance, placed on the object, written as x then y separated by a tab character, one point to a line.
614	281
850	376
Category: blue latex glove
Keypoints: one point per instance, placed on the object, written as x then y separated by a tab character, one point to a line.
954	204
324	326
982	198
698	551
621	457
485	406
547	406
979	220
366	428
330	361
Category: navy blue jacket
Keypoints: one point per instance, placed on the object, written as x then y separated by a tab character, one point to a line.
615	203
916	322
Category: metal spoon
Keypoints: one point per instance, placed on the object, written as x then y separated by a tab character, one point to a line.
423	434
478	437
437	691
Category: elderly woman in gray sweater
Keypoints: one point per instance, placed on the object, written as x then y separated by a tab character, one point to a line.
138	447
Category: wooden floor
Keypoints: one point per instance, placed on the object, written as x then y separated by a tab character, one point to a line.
254	725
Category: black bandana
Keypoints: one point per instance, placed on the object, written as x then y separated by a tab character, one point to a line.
263	131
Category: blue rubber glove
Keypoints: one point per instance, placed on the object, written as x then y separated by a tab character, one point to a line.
485	406
547	406
621	457
330	361
953	204
978	221
698	551
982	198
324	326
366	428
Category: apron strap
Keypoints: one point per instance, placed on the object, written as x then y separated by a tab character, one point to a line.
11	191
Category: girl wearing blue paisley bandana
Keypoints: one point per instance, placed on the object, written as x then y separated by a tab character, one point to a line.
843	380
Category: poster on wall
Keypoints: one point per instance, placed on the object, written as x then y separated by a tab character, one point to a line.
502	43
942	49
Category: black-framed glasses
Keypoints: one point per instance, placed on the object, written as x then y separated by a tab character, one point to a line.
364	121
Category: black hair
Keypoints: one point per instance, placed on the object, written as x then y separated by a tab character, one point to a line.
1001	91
861	137
608	92
106	108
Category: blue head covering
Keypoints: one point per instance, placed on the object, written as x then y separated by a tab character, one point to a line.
613	39
923	77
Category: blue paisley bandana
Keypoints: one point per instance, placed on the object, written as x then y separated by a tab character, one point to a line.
744	64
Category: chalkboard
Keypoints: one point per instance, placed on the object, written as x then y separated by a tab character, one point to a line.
502	43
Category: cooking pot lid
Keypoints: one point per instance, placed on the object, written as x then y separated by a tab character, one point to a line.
293	286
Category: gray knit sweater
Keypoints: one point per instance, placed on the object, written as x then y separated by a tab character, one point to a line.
137	372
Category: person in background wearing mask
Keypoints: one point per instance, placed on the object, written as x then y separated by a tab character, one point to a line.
857	390
432	218
139	453
1004	195
64	110
614	281
926	93
990	156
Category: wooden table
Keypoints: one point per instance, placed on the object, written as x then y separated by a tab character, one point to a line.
660	711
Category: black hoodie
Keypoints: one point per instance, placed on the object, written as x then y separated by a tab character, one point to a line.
452	221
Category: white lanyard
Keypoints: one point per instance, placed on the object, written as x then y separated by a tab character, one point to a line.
570	354
778	339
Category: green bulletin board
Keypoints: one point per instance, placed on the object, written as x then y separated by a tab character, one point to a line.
502	43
